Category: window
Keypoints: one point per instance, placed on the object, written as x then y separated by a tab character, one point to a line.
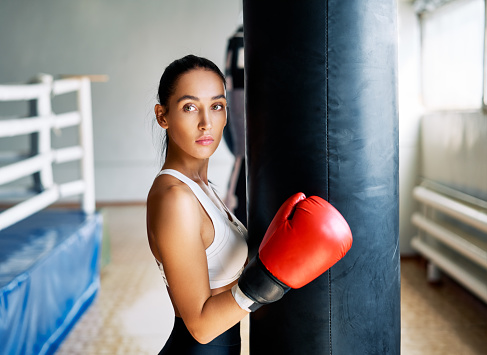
452	40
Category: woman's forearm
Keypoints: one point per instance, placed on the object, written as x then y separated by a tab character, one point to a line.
218	314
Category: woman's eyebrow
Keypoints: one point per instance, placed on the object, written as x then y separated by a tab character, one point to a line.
194	98
188	97
219	97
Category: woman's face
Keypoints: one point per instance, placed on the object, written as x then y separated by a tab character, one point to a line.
197	114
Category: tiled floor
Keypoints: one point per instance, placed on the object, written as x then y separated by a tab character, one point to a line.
132	313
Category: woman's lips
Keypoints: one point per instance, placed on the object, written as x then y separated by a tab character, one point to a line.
205	140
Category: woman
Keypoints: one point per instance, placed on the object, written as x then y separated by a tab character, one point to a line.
200	246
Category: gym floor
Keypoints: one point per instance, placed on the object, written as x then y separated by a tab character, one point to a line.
132	313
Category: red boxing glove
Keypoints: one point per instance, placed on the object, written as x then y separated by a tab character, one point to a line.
306	237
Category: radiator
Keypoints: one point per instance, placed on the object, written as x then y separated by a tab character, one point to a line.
452	236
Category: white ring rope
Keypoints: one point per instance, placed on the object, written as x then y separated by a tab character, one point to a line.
17	127
43	122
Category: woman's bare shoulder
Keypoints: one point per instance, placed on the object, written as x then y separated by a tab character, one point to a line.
170	200
168	189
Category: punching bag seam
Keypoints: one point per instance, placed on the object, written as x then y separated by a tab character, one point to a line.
329	307
327	167
326	110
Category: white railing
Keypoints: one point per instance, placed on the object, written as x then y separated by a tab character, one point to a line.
458	251
42	123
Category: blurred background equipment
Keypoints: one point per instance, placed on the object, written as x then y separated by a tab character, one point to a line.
49	259
234	132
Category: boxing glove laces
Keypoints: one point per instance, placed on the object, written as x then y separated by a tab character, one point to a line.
306	237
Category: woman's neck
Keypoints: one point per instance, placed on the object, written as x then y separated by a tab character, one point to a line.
194	169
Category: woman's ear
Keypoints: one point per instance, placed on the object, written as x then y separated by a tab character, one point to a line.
160	112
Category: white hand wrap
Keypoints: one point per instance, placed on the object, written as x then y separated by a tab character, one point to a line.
242	300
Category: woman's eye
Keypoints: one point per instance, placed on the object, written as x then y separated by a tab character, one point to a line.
217	107
189	108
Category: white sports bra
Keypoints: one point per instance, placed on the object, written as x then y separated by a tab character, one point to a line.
227	254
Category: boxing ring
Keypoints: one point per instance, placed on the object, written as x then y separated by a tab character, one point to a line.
49	258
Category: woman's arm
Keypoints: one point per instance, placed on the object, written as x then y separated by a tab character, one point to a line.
175	226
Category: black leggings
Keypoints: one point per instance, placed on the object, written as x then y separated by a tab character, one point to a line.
181	342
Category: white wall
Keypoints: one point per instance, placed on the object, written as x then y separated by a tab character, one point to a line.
410	109
132	42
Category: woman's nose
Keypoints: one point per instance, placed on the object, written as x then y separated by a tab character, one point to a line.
205	121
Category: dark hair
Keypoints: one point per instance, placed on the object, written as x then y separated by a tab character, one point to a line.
169	79
173	72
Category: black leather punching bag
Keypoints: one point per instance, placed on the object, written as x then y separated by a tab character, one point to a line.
321	112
